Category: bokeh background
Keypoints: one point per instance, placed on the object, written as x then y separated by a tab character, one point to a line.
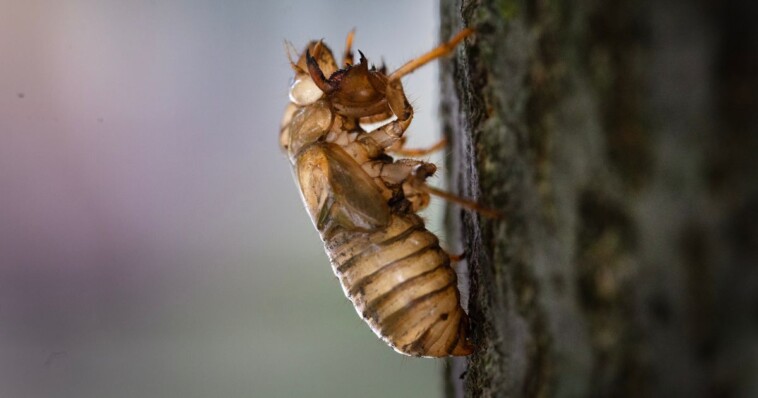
152	241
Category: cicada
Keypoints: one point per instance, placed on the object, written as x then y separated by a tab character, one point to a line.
364	203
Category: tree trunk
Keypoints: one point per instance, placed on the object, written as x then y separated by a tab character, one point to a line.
620	140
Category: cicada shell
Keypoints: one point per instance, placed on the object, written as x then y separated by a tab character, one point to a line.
364	203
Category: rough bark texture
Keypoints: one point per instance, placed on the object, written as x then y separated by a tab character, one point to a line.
620	138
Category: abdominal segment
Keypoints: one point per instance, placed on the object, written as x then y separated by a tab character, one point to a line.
402	284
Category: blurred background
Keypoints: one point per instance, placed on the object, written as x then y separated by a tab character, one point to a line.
152	240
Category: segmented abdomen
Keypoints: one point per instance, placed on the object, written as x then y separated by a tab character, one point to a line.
402	284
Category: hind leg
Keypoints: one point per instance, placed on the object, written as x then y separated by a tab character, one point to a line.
400	149
463	202
410	175
415	185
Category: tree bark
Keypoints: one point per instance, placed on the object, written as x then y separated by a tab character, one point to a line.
620	140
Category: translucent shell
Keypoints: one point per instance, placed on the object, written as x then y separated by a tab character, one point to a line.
307	126
363	202
336	190
304	91
400	281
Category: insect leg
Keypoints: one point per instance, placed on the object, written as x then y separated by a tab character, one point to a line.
440	51
456	258
289	49
347	57
416	185
399	148
463	202
412	174
390	133
399	171
409	175
387	135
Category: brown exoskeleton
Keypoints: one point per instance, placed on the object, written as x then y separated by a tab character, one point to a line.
364	203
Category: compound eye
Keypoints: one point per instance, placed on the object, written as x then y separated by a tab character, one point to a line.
304	91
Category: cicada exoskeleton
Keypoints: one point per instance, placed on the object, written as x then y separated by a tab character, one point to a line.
364	203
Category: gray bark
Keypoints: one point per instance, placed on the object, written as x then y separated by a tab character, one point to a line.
620	139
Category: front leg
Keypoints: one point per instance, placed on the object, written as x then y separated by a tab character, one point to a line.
405	175
387	135
400	149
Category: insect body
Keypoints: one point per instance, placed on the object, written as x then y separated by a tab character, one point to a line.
364	203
